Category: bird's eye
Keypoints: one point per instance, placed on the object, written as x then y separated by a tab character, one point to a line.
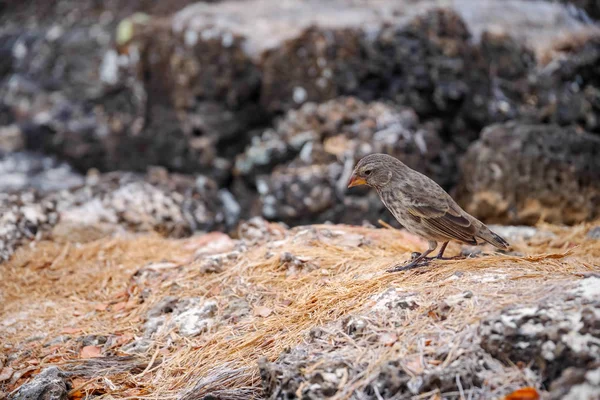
368	172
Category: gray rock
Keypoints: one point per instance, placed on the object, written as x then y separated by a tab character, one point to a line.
171	204
557	334
314	149
189	316
594	233
139	346
50	384
24	170
521	233
520	173
576	384
24	217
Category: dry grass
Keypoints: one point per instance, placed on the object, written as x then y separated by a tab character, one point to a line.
53	289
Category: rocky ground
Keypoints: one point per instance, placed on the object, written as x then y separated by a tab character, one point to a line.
304	313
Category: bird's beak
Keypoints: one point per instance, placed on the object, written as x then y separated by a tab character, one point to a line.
356	181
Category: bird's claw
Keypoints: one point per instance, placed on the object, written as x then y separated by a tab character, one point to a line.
451	258
411	265
414	255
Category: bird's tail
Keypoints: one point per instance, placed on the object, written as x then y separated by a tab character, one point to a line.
492	238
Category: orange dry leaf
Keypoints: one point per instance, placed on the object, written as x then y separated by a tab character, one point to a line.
71	330
388	339
90	352
125	338
527	393
198	241
119	306
414	365
6	374
83	389
262	311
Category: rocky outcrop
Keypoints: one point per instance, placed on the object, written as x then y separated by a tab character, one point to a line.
568	87
170	204
86	209
522	173
313	150
186	91
215	89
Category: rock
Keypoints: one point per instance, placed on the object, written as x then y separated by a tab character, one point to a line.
50	384
575	384
586	9
567	88
316	148
24	217
139	346
521	233
423	65
24	170
101	204
73	96
165	306
189	316
318	370
11	138
520	173
594	233
258	230
186	90
195	317
554	335
173	205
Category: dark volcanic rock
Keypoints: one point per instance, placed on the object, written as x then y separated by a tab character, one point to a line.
312	152
50	384
431	65
185	91
554	335
74	94
568	88
590	7
519	173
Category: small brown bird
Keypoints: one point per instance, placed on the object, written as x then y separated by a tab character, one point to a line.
421	206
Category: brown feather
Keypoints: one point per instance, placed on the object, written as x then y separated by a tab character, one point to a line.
446	223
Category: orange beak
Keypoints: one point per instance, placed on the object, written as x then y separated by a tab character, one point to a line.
356	181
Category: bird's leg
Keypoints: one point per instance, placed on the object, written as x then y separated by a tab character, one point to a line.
418	261
440	255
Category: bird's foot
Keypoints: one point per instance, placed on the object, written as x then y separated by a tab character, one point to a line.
414	263
414	255
459	257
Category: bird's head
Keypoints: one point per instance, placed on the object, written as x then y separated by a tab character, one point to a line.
376	170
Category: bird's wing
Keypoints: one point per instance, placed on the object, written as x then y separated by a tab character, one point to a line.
446	219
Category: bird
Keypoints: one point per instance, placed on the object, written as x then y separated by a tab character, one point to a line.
422	207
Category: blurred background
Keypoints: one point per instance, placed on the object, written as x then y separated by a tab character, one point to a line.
182	116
